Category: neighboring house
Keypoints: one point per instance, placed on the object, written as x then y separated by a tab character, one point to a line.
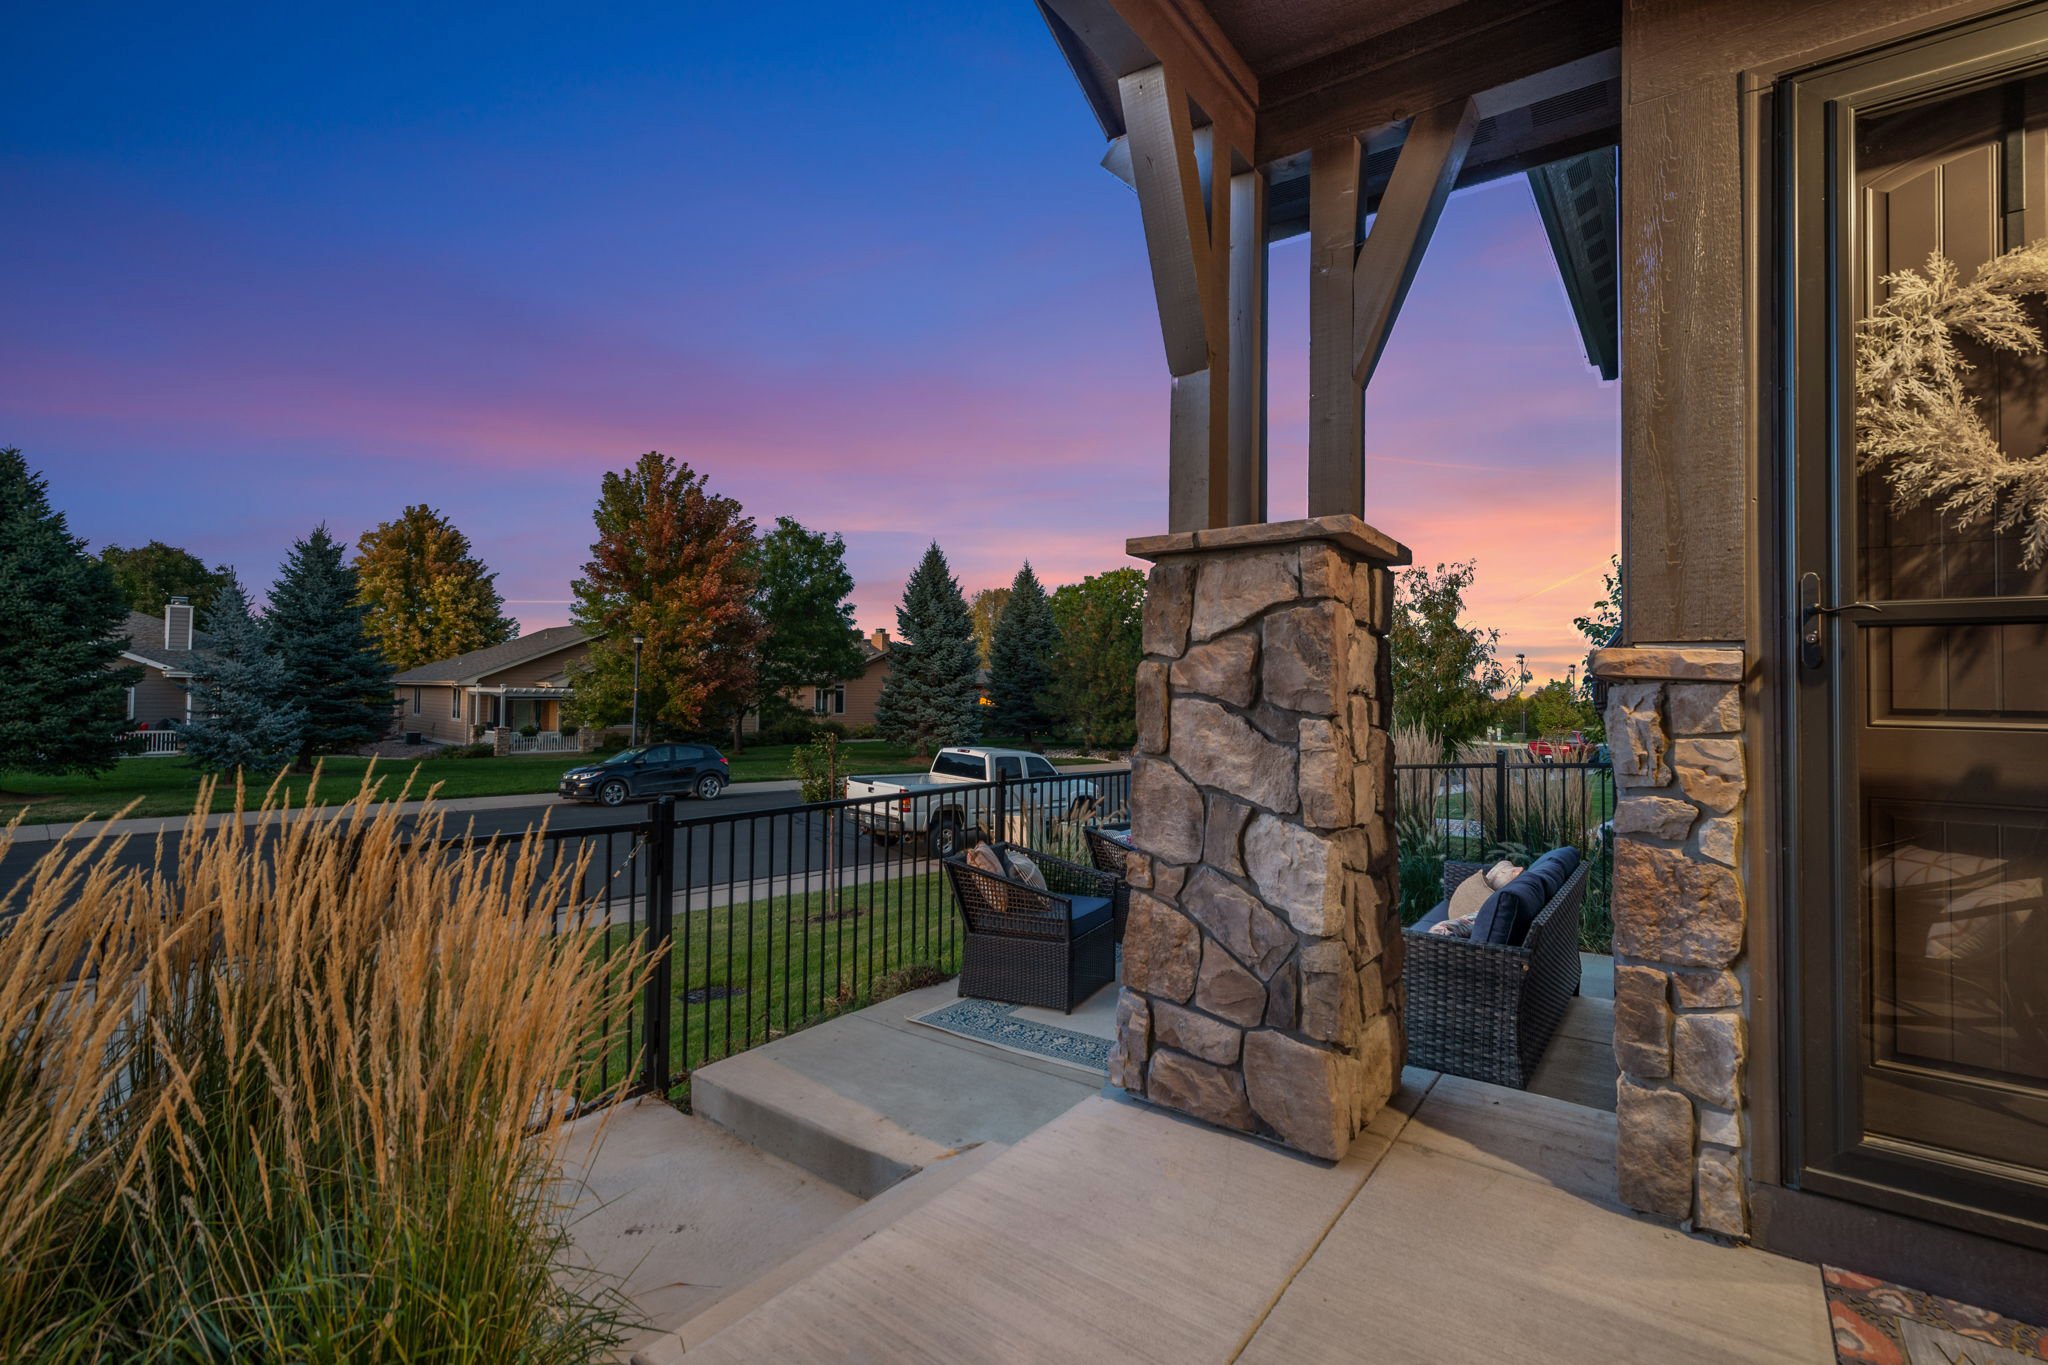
167	649
519	683
850	701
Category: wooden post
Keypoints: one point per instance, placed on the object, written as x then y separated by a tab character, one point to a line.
1424	174
1184	198
1246	498
1336	402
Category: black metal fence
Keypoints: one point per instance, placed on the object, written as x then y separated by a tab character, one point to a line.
1512	806
775	919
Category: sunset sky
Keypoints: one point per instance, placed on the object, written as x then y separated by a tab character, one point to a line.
857	263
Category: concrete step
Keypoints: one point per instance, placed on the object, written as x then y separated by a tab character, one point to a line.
849	1232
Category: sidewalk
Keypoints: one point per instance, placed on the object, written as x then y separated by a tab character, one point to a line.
150	825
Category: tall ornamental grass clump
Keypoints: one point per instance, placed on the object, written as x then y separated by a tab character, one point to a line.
298	1096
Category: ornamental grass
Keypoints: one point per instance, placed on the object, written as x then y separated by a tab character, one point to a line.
297	1094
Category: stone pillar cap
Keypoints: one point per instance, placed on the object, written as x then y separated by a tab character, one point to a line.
1343	530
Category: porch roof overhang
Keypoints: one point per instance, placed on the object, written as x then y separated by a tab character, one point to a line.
1544	79
533	691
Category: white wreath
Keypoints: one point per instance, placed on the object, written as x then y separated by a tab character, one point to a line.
1914	421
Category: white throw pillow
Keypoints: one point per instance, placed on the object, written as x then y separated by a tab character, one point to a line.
1026	871
1501	873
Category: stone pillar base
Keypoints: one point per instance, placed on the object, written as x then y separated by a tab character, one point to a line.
1674	726
1262	961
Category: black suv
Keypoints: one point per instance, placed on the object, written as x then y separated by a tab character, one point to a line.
650	770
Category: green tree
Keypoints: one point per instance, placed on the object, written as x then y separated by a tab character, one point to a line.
331	666
425	595
986	608
802	597
1101	640
60	649
1557	707
150	575
1021	659
931	697
244	714
673	563
1601	626
1445	672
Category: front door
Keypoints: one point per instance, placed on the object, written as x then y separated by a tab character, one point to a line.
1917	640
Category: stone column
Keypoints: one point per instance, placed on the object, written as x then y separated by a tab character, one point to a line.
1674	726
1262	961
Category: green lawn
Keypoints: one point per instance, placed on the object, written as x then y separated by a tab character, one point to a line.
169	786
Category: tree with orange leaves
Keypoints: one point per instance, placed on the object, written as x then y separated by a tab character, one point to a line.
673	564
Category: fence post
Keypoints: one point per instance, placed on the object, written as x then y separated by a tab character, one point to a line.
655	997
1002	830
1500	797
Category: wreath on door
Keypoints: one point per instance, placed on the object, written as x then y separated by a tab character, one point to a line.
1915	423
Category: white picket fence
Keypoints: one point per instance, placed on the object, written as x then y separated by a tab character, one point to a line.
546	742
157	743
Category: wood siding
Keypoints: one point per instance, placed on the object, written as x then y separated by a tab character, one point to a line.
158	698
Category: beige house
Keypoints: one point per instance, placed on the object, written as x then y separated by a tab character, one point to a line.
519	683
1830	711
167	648
850	701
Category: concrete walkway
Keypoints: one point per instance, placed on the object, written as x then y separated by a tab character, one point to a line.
1471	1223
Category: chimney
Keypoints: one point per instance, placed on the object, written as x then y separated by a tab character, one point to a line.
880	640
178	624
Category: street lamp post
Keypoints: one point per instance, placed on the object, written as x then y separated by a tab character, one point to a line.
638	640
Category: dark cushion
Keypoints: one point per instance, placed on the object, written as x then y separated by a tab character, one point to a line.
1509	912
1553	870
1089	912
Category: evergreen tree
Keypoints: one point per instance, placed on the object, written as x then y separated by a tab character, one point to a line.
673	563
1101	640
1020	669
931	697
243	711
60	646
153	574
802	598
331	667
425	595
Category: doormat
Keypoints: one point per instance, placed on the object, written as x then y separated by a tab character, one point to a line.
1876	1322
988	1021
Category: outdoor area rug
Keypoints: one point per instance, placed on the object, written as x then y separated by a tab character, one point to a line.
987	1021
1876	1322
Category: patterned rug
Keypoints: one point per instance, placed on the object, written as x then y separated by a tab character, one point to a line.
986	1021
1876	1322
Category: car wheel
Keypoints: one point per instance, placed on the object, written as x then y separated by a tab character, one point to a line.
944	836
708	787
612	793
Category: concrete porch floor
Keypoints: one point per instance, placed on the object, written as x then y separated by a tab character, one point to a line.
1046	1218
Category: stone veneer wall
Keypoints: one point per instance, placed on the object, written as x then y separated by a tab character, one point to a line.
1674	723
1262	960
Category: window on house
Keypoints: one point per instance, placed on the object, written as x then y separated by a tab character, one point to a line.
829	701
131	703
455	702
416	701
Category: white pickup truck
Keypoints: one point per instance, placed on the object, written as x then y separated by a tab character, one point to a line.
935	805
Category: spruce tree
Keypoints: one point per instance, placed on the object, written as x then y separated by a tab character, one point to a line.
331	667
243	711
931	697
1021	661
60	638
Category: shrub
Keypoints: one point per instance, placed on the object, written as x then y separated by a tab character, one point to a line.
465	751
311	1106
529	730
903	980
569	729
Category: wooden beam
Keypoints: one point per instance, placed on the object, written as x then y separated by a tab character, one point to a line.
1336	403
1246	493
1469	49
1177	229
1424	173
1124	37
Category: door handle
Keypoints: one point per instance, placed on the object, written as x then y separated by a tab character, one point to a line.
1812	611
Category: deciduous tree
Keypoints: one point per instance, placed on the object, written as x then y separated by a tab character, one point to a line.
674	563
244	714
60	642
425	594
332	668
986	608
1445	672
1101	639
150	575
803	601
931	697
1021	659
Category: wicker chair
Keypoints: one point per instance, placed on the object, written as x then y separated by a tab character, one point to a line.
1113	858
1021	947
1488	1010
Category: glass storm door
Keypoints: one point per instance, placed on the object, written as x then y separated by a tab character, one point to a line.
1917	652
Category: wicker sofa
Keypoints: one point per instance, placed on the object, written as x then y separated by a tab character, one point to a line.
1052	948
1488	1010
1112	856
